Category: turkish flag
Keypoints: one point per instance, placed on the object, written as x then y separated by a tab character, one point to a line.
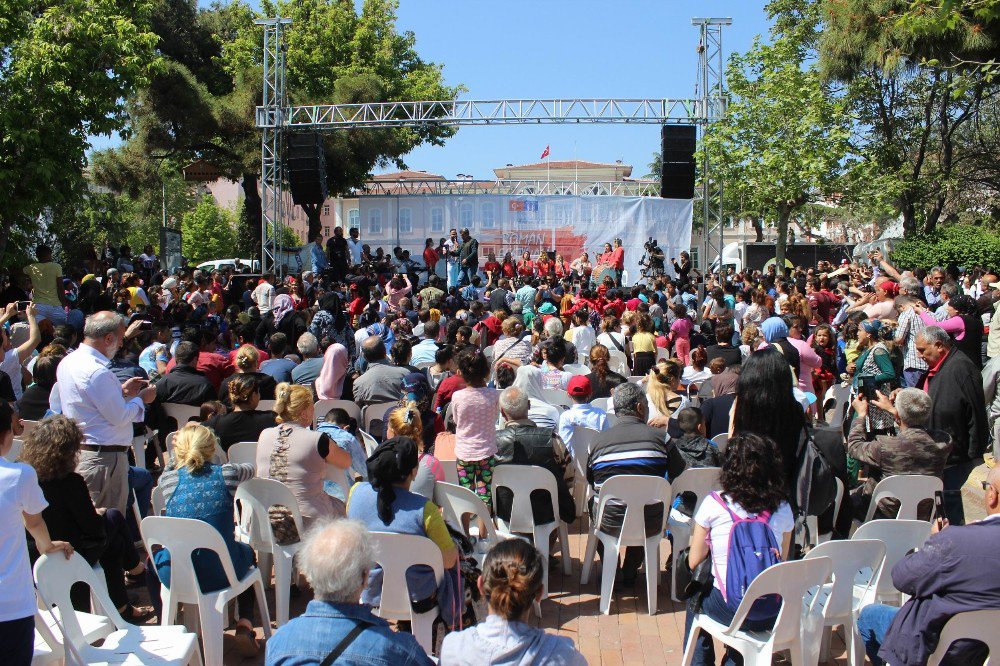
545	153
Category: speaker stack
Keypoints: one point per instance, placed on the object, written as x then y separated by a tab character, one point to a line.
678	172
306	168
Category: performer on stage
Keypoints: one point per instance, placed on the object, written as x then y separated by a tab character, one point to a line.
561	267
543	265
452	246
618	261
509	267
582	268
526	267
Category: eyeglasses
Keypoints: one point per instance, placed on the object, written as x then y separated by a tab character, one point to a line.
987	485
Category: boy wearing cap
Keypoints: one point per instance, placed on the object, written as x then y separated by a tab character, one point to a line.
582	413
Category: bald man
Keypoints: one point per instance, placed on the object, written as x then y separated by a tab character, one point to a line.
105	409
381	381
954	571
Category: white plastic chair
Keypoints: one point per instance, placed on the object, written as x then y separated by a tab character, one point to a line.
909	489
636	491
856	566
253	498
450	468
601	403
583	441
47	649
488	353
791	580
457	502
637	379
721	441
576	369
618	362
157	503
129	643
92	627
396	553
373	415
18	444
266	405
219	457
662	353
243	452
837	398
700	481
557	398
181	413
899	537
978	625
521	480
323	406
368	442
182	536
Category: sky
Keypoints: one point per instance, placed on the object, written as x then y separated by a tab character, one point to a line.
541	49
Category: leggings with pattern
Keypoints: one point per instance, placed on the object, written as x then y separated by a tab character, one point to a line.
477	476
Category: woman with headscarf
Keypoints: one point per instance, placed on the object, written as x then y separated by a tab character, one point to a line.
775	332
286	319
875	371
330	382
963	324
385	503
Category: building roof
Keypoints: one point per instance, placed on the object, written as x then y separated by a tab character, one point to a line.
572	164
407	175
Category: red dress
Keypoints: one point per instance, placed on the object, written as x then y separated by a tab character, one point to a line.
491	267
509	269
431	257
544	267
526	267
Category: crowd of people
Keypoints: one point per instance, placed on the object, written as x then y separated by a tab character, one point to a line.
488	365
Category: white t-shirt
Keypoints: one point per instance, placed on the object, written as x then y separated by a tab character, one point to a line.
19	492
11	364
713	517
583	338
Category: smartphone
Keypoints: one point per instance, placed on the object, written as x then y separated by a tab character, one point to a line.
939	505
145	326
868	389
22	306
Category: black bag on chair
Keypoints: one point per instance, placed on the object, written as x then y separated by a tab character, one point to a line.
694	585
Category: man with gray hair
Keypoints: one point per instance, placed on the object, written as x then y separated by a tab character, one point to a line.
336	558
629	447
104	408
521	442
913	450
306	372
958	407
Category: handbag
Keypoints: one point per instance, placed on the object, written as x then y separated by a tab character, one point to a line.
695	584
280	516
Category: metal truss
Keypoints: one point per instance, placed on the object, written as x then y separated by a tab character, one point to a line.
272	144
514	187
489	112
710	89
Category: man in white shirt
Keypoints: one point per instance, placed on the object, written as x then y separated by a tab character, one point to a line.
354	245
582	413
13	358
263	294
451	247
105	409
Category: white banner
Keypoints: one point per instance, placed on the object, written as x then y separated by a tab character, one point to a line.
567	224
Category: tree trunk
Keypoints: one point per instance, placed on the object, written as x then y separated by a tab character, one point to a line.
758	227
251	199
784	214
909	213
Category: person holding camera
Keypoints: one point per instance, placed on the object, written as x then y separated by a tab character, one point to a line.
874	371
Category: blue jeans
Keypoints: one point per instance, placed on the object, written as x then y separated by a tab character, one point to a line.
140	481
469	272
873	624
454	273
912	378
716	608
954	478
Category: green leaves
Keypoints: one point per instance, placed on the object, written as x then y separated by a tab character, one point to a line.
960	244
208	232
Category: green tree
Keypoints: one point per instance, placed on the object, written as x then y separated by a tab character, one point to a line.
208	232
960	244
785	132
65	68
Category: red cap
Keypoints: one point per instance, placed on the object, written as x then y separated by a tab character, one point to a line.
889	287
579	385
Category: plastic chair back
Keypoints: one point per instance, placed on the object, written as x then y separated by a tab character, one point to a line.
396	553
583	441
266	405
557	398
909	489
253	498
838	399
488	353
55	576
374	414
855	563
368	442
243	452
978	625
323	406
618	362
158	504
698	480
601	403
423	365
899	537
183	536
636	492
181	413
521	480
456	502
721	441
791	581
576	369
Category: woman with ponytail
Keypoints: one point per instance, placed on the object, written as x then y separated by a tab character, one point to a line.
297	456
512	583
385	503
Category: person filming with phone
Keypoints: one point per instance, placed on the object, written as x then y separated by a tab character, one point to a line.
912	450
954	571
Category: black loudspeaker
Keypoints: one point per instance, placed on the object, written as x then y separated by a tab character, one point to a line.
306	168
678	144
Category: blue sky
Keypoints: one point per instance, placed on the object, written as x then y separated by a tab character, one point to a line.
561	48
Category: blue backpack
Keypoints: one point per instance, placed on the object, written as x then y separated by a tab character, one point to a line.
752	549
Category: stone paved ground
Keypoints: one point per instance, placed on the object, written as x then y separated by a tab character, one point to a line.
628	635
